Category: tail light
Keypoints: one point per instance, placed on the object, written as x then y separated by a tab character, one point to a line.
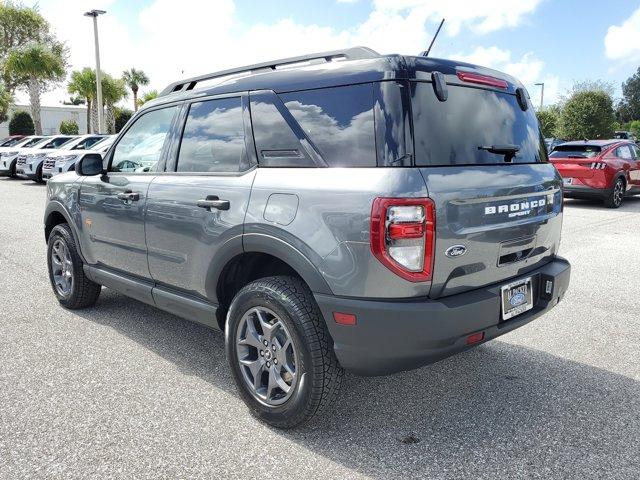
403	236
597	166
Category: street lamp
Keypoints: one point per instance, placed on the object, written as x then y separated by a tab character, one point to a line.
541	84
94	14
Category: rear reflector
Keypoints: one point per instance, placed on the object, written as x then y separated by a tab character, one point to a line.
475	338
482	79
344	318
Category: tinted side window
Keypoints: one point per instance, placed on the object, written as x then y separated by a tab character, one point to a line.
140	148
624	152
213	138
87	143
276	142
339	122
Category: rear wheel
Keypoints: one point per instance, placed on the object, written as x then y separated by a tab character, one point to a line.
614	200
280	352
70	285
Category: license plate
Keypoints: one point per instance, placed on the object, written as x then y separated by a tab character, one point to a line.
517	298
567	181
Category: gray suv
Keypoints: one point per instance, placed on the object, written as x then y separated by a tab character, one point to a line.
338	211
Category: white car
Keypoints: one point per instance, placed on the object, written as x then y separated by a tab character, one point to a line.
8	154
30	163
64	160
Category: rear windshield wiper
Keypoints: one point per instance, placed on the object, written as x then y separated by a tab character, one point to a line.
509	151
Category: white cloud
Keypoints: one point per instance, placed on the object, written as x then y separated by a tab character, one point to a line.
170	43
622	42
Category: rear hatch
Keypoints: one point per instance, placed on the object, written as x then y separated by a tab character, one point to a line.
577	161
498	200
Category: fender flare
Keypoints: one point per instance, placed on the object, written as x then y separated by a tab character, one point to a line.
54	206
268	244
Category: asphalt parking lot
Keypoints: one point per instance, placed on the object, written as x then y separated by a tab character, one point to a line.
123	390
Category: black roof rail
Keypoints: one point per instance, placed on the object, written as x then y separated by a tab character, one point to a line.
355	53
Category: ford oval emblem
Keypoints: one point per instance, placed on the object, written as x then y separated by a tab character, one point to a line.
456	251
517	299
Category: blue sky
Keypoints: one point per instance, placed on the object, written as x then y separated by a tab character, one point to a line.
555	41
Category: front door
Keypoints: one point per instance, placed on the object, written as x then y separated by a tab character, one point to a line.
195	212
112	205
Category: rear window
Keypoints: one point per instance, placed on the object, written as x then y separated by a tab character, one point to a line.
451	132
575	151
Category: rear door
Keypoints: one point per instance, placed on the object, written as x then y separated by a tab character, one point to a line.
112	206
498	212
634	170
196	208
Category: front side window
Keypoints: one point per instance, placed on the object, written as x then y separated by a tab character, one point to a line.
213	138
339	122
140	147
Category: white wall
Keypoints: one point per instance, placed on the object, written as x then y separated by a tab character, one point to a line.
51	118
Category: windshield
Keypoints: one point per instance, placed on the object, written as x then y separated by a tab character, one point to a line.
474	126
10	142
575	151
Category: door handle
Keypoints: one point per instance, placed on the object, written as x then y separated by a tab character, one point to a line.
212	201
129	196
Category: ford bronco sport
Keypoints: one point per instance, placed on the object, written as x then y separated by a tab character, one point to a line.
344	210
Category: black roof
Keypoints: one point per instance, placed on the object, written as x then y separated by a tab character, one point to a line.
326	69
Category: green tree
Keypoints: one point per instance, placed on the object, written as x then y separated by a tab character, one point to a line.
113	90
6	99
122	117
634	127
147	96
629	107
21	124
134	80
69	127
83	84
587	114
40	66
19	26
549	118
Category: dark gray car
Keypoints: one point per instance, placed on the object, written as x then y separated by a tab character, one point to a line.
344	210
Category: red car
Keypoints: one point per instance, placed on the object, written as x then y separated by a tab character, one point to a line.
606	169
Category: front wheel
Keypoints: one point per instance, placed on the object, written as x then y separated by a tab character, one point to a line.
280	352
614	200
70	285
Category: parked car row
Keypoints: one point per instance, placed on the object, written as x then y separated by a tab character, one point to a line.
39	157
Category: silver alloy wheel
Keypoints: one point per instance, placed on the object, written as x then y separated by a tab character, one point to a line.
618	193
266	356
62	267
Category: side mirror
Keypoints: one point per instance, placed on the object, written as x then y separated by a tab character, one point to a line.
89	165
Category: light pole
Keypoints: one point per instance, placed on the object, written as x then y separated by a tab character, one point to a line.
94	14
541	84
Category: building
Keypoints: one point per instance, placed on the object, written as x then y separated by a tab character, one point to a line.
51	118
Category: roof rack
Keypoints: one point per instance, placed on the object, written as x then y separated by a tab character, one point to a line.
355	53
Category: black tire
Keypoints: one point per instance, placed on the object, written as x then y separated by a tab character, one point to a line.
12	173
83	292
39	178
291	300
614	199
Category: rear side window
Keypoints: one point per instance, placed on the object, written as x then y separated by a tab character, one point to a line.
213	138
338	121
624	152
575	151
460	130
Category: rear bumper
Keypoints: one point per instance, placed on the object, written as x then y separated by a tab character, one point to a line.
392	336
580	191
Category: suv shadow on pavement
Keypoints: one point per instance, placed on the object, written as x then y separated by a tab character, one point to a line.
499	410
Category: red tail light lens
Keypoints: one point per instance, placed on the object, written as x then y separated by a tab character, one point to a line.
403	236
482	79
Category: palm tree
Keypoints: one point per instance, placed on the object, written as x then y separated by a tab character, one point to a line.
146	96
113	90
39	65
134	79
83	84
6	99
